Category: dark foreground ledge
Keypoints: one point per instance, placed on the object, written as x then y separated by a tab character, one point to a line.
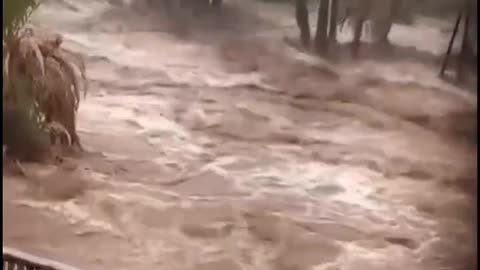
15	259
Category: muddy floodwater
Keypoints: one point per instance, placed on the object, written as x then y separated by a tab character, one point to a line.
216	145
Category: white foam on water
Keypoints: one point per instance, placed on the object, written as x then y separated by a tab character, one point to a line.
280	168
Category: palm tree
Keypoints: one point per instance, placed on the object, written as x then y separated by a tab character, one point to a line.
41	83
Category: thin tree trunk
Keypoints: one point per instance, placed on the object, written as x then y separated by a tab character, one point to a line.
357	35
386	25
301	14
450	44
321	44
462	57
333	21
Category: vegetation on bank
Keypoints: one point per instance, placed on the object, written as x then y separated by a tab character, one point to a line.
41	87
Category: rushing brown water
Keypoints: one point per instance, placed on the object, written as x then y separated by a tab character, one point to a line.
225	149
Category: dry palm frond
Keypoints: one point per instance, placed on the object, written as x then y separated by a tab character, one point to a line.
78	62
56	76
28	46
59	131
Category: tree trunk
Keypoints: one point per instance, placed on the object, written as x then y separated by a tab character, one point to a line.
216	3
462	57
395	9
301	13
382	25
332	35
167	6
199	6
321	44
358	23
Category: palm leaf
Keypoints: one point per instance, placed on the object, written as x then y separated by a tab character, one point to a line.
15	14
